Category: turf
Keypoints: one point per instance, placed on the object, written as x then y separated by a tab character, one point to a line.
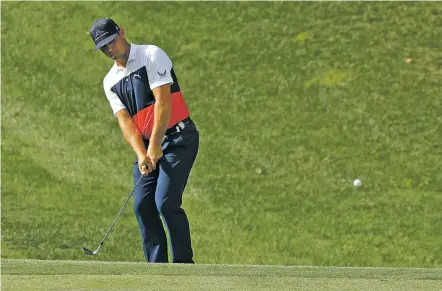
293	100
93	275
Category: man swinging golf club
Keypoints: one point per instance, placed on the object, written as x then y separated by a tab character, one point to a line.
146	99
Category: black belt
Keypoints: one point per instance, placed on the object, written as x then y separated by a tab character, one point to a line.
179	126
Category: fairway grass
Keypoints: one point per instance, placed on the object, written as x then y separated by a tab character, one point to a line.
93	275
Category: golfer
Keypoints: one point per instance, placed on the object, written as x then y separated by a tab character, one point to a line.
146	99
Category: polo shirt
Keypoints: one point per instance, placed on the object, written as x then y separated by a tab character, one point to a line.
148	67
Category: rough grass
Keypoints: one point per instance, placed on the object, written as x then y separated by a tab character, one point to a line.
294	100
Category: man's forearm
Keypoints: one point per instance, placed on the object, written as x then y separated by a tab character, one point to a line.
131	134
163	110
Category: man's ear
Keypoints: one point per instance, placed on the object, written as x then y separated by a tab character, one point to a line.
122	34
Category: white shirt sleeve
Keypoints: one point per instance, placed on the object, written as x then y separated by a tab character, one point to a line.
113	99
158	67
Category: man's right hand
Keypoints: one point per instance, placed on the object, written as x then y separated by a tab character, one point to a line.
145	165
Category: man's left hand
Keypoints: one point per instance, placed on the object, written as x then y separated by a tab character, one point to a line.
154	153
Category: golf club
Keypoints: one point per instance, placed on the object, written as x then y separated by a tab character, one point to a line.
89	252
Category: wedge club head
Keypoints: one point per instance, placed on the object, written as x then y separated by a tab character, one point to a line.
89	252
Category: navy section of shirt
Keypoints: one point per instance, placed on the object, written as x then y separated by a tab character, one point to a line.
175	86
134	91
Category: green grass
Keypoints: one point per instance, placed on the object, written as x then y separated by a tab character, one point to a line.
293	100
93	275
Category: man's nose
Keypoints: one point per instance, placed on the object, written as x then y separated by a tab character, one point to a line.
110	48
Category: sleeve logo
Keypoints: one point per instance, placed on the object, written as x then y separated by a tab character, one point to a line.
162	74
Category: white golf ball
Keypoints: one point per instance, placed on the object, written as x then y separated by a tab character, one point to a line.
357	183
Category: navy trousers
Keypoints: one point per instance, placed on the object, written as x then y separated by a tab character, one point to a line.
158	199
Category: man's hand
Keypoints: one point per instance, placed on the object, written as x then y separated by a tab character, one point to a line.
145	165
154	153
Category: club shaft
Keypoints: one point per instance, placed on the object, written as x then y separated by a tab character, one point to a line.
119	213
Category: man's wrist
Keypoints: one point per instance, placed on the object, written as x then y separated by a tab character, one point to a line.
141	155
155	141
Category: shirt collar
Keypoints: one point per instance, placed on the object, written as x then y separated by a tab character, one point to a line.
132	53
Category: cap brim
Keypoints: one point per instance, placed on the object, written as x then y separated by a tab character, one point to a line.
105	41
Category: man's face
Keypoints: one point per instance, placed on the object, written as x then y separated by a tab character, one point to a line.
115	49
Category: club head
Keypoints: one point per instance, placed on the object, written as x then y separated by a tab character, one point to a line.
88	252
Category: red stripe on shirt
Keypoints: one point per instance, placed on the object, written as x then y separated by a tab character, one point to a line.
144	119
